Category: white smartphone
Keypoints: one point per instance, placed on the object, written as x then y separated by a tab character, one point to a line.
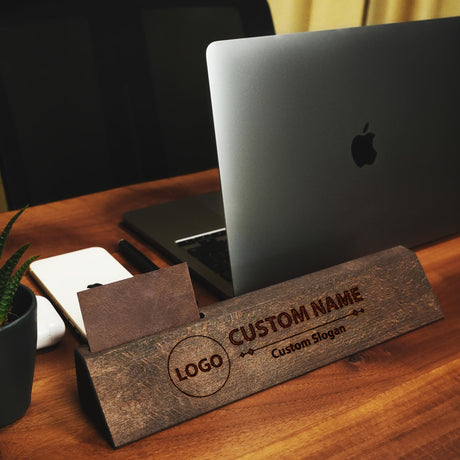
62	276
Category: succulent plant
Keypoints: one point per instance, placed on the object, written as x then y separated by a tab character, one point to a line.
9	278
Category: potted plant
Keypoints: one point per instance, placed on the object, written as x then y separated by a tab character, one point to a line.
18	333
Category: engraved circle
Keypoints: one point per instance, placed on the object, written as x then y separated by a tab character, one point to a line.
198	366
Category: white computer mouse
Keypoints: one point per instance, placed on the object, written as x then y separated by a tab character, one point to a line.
50	326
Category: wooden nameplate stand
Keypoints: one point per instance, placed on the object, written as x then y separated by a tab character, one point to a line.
253	342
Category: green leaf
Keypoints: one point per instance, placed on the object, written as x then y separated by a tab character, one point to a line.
6	230
7	270
9	281
6	300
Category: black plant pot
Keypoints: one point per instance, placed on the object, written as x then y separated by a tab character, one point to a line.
18	343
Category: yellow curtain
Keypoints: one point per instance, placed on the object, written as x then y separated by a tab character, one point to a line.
301	15
385	11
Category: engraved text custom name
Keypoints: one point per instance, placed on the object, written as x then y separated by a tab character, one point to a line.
300	314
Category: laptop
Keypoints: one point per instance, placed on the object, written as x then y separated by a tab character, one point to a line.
331	145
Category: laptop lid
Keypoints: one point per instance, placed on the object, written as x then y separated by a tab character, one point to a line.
335	144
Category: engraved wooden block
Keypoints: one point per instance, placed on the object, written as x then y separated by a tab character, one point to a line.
252	342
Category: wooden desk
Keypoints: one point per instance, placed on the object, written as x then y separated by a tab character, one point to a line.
399	399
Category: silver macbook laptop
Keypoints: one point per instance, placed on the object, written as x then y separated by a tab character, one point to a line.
331	145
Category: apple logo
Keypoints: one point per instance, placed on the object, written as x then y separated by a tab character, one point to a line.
362	148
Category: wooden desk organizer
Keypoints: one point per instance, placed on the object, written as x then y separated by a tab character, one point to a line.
253	342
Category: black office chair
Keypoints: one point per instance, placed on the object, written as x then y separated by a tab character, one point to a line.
99	94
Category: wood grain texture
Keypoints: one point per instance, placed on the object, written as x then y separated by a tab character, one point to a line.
286	416
257	341
359	432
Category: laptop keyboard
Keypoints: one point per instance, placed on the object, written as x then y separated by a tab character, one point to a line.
211	250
